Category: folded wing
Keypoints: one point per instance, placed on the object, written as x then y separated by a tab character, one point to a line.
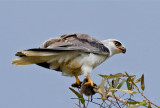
56	47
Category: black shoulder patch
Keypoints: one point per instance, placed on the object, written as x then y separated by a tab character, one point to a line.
95	44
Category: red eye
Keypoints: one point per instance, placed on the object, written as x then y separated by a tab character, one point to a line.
117	43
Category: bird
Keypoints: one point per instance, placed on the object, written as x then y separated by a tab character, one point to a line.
72	54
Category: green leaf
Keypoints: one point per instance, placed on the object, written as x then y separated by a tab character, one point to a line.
116	82
103	75
141	103
120	84
130	79
138	80
80	97
142	82
113	84
133	102
118	75
129	85
133	76
112	76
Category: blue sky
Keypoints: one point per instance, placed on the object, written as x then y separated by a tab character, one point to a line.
26	24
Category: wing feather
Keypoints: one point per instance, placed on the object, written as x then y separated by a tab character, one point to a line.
77	41
66	44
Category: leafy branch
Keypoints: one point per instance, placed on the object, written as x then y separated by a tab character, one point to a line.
112	94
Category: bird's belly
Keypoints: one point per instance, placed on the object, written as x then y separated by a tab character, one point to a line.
69	64
71	68
72	65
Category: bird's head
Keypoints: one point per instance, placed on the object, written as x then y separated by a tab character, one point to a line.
114	46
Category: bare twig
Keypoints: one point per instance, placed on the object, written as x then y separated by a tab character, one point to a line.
141	92
109	94
147	98
101	103
105	93
118	103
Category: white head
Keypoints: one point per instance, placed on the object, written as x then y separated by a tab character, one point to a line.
114	46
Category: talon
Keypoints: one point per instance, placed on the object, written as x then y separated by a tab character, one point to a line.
92	84
77	83
89	81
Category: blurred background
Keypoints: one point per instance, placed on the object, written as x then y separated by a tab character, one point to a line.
27	24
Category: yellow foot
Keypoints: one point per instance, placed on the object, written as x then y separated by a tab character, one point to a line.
91	83
77	83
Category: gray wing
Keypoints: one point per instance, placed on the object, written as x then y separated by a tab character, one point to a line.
77	41
57	46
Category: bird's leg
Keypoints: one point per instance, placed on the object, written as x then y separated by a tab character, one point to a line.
89	81
77	83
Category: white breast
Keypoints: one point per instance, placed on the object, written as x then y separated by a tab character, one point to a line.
90	62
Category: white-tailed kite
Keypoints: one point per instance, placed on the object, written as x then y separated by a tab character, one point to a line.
73	54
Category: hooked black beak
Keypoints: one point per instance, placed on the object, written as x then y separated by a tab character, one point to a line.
123	50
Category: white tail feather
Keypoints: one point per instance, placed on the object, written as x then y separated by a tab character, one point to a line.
36	53
32	57
30	60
